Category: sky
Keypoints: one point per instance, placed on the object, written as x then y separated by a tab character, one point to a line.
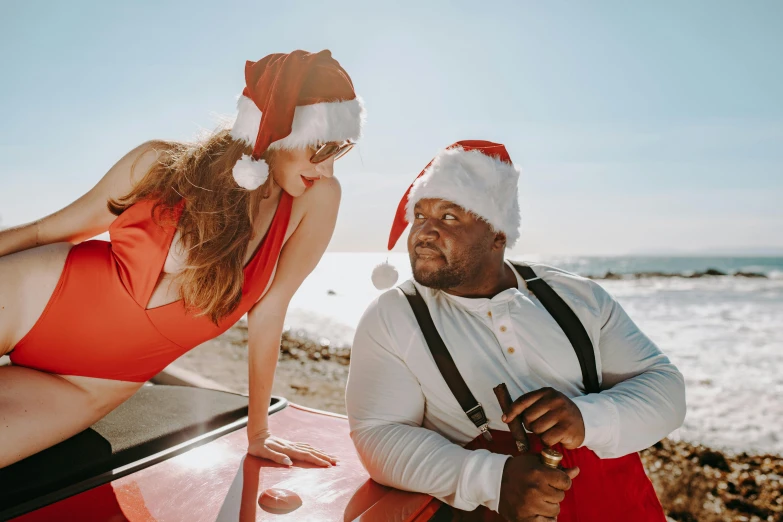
640	127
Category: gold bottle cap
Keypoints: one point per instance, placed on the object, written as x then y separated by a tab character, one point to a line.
551	457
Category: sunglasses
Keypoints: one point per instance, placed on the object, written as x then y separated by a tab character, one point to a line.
327	150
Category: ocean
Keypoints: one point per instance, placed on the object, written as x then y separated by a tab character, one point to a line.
724	333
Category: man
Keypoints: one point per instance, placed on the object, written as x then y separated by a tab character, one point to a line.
410	429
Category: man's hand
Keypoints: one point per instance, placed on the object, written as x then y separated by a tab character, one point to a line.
550	415
531	491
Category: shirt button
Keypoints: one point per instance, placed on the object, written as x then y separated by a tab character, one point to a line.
489	314
503	329
510	349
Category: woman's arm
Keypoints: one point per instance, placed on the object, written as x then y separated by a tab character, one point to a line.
88	216
299	257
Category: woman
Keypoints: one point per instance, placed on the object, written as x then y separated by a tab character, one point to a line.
200	235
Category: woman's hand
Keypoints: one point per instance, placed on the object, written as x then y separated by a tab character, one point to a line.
267	446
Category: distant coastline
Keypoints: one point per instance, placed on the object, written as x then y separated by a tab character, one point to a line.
710	272
642	267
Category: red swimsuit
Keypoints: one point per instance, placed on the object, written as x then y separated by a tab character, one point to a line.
96	323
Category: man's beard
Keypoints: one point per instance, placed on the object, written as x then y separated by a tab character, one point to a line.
455	273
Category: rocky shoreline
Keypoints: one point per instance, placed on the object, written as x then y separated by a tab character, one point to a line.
699	484
694	483
710	272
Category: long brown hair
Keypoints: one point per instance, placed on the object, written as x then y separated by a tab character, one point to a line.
216	223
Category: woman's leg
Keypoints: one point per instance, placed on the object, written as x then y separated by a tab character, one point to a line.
38	409
27	281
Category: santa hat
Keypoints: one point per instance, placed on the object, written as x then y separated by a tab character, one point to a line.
478	176
293	101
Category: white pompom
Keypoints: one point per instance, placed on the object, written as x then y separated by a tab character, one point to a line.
249	173
384	276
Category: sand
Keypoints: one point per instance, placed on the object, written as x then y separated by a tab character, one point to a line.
317	381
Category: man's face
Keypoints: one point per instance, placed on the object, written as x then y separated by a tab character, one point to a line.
447	244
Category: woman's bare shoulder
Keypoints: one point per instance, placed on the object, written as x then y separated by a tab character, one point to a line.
320	201
313	217
134	165
89	215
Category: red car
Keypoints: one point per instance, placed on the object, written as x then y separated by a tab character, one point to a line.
175	453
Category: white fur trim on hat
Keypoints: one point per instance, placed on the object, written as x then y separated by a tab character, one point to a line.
480	184
249	173
319	122
248	121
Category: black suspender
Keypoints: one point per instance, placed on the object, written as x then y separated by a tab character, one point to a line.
443	360
554	304
569	323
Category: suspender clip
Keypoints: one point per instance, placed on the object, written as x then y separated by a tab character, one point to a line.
485	431
479	418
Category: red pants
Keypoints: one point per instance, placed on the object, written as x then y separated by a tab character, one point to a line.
606	490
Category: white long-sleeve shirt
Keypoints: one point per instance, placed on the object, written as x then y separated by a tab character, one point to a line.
409	429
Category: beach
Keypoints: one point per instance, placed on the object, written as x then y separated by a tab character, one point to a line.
317	381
